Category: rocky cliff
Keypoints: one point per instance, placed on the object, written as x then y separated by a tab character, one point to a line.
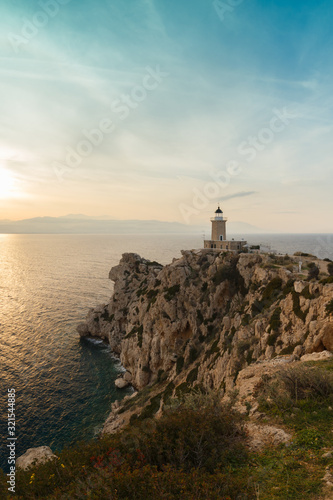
201	320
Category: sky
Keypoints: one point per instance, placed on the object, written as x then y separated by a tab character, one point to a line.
154	109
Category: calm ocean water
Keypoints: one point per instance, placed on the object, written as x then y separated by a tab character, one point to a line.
64	386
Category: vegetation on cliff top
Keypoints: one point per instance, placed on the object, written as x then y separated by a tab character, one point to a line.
198	450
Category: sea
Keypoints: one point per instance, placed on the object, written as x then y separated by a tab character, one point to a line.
64	385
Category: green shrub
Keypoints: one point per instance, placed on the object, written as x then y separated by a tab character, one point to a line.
272	338
194	353
167	394
228	271
309	438
182	389
313	271
292	385
289	349
275	321
270	294
200	316
179	364
302	254
273	286
171	292
161	375
326	281
192	376
152	294
213	349
196	437
106	316
297	307
140	335
289	287
154	263
152	408
141	291
227	342
132	332
249	356
329	307
246	320
330	268
256	307
306	293
243	346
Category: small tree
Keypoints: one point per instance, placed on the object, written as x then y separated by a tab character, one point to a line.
313	271
330	268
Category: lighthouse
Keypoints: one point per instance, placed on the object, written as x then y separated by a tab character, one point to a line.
219	231
219	239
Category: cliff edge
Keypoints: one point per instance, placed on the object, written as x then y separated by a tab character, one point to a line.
204	318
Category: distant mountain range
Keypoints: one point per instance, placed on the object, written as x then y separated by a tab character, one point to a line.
84	224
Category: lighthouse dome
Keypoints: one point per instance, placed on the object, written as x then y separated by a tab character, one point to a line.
218	211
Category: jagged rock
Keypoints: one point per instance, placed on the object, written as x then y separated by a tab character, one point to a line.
317	356
113	423
35	456
328	454
328	478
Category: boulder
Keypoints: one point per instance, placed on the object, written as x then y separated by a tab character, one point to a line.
261	436
120	383
33	456
299	286
127	377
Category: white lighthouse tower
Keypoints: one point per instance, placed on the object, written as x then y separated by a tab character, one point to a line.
218	239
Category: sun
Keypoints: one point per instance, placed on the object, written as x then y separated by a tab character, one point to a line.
7	184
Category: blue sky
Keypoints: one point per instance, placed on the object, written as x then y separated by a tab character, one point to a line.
191	95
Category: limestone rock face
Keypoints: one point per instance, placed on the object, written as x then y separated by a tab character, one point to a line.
207	316
35	456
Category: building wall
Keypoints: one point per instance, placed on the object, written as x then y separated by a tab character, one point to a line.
232	245
219	229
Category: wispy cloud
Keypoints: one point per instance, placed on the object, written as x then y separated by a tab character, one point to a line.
225	80
237	195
